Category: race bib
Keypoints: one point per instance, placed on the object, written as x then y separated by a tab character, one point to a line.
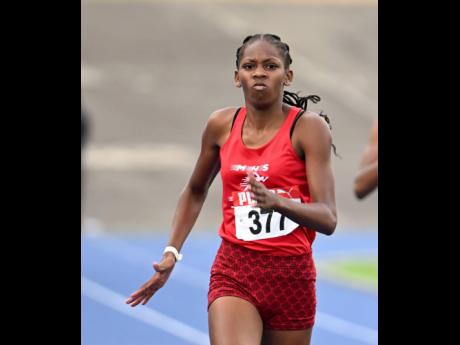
253	223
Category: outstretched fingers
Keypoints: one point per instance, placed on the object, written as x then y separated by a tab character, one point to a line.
147	298
141	296
135	300
146	291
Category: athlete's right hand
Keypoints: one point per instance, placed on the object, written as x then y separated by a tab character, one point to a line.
146	291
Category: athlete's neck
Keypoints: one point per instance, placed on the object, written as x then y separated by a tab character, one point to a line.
261	119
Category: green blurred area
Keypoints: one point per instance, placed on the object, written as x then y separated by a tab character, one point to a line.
367	270
356	270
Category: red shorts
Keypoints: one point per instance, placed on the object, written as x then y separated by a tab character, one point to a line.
282	288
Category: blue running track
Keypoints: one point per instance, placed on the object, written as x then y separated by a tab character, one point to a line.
113	266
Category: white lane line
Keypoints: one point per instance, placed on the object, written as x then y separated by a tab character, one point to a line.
345	328
196	278
147	315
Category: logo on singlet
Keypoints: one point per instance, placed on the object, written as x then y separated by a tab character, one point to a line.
255	169
245	181
248	168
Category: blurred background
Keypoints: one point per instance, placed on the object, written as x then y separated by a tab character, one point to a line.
151	74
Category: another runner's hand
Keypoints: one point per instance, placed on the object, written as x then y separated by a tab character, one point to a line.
146	291
259	193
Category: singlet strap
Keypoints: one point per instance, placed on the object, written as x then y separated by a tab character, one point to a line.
234	118
299	114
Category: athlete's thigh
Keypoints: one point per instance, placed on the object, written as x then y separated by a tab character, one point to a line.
301	337
234	321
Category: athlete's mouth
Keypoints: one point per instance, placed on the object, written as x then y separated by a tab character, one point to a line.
259	86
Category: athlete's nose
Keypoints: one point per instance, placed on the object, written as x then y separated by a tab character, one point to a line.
259	72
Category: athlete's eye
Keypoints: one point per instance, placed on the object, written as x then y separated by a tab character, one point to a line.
271	66
247	66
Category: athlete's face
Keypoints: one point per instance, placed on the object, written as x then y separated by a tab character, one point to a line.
262	74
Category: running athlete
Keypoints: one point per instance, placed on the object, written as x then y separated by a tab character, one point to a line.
367	177
278	191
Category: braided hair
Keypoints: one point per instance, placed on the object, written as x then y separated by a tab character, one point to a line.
290	98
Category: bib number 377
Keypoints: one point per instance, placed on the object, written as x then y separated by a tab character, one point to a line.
254	223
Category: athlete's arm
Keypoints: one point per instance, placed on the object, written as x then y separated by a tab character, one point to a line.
207	166
367	178
312	138
190	201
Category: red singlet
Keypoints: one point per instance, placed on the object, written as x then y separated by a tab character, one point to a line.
278	167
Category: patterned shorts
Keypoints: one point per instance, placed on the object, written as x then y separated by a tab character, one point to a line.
282	288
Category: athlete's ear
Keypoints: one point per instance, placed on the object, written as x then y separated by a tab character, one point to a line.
237	79
288	77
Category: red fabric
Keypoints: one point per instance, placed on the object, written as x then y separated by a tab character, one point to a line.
278	166
282	288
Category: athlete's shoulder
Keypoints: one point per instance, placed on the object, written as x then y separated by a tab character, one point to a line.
219	123
311	121
221	118
222	114
312	133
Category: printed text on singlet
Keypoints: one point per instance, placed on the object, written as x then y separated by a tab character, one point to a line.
253	223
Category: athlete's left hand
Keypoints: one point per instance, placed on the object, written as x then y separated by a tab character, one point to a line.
261	195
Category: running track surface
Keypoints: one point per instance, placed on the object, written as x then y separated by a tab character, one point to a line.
113	266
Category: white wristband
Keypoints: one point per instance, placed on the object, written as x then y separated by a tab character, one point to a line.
173	250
